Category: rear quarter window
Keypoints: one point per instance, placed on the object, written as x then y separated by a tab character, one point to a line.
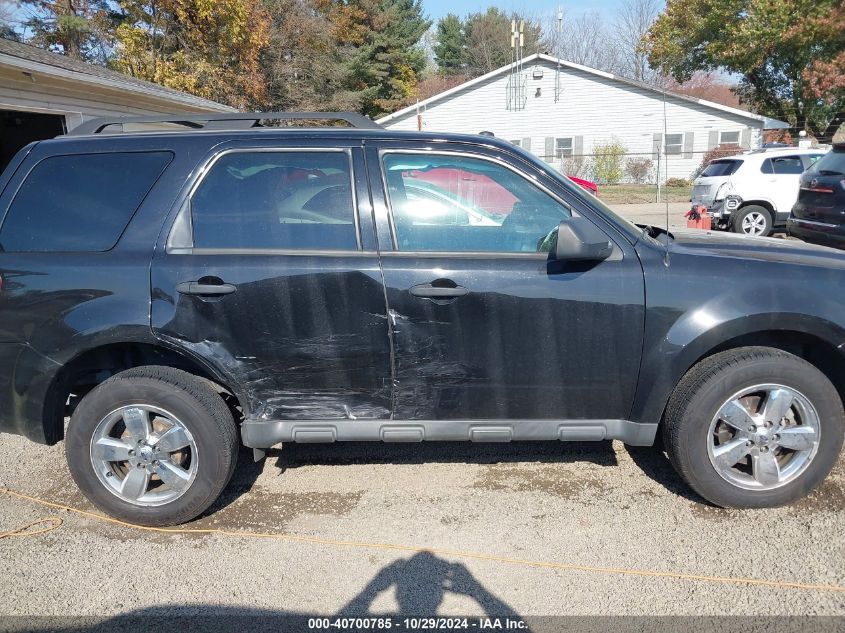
833	161
721	168
79	202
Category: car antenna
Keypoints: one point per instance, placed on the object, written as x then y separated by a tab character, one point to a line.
666	172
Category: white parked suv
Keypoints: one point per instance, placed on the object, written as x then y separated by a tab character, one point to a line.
753	192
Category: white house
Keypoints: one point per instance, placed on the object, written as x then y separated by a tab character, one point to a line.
43	95
561	111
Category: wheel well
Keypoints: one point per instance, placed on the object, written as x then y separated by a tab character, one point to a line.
818	352
759	203
94	366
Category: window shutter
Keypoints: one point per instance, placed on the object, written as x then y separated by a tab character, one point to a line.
578	146
550	150
655	146
712	139
746	138
689	139
526	143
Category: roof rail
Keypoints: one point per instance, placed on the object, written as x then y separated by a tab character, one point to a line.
212	121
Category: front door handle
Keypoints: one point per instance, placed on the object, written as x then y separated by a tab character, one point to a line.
432	291
202	289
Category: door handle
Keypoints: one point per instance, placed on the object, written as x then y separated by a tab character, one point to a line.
201	289
431	291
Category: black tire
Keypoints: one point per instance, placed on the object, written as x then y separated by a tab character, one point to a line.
199	408
744	212
703	390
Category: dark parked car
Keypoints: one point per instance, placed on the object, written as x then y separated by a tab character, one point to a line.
175	292
819	214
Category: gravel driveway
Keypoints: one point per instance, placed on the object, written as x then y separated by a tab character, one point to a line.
484	513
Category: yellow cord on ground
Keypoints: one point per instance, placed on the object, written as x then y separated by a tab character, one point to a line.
53	523
778	584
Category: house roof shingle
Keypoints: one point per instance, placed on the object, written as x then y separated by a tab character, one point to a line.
91	73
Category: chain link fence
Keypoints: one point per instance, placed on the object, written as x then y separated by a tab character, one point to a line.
636	177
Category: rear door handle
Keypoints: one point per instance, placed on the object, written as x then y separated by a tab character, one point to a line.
438	292
197	288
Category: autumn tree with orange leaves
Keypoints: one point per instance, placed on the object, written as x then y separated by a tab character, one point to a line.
209	48
790	54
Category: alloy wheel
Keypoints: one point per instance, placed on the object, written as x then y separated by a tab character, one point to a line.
754	223
144	455
763	437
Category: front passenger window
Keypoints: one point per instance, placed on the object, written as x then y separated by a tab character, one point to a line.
453	203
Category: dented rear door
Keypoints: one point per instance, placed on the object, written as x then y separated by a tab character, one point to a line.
270	276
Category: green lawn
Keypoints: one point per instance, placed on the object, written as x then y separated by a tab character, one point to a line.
620	194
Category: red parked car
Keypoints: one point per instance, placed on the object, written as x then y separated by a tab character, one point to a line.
589	185
479	190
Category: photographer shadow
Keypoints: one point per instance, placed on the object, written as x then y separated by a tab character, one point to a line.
421	583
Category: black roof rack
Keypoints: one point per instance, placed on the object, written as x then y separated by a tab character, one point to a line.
214	121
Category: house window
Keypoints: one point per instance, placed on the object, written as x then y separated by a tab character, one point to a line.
563	147
729	138
674	143
516	141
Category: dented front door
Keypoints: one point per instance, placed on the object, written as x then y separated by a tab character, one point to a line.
484	325
269	277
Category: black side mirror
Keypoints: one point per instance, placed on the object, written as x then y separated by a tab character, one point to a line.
578	239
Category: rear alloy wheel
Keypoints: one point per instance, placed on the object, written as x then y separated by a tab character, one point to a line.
152	446
753	220
144	455
754	427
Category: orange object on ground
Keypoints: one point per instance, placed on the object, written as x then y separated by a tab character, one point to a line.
698	218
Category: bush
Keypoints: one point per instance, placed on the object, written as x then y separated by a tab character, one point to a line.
678	182
607	162
639	170
577	166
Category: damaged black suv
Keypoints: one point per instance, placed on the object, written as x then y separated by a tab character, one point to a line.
177	285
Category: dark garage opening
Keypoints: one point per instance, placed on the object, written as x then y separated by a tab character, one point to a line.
17	129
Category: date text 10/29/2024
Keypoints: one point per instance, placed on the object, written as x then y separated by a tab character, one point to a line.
385	623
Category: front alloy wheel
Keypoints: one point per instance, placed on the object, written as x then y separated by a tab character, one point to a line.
763	437
754	427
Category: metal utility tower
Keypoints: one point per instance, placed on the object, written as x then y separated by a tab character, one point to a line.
516	82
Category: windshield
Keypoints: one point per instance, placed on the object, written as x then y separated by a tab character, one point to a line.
721	168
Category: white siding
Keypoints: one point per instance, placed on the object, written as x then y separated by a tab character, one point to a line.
78	101
596	108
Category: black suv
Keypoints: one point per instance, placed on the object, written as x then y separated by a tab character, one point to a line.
819	213
174	289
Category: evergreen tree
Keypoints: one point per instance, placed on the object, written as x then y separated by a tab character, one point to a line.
69	27
381	41
450	45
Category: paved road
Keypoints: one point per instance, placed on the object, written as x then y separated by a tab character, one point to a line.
655	213
600	505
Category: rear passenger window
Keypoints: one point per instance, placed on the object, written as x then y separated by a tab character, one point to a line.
783	165
79	202
276	200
